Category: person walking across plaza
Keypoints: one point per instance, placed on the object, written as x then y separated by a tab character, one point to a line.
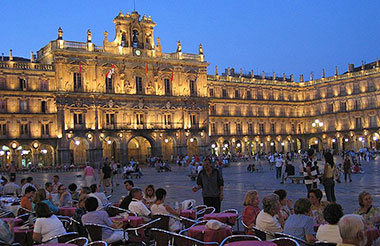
211	182
347	168
279	162
89	175
328	177
310	171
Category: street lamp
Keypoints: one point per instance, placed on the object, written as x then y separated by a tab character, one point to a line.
317	123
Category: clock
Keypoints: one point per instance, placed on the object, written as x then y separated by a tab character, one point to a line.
137	52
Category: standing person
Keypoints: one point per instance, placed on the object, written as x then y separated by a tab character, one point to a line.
279	163
89	175
328	177
347	168
310	171
12	170
107	172
211	182
271	161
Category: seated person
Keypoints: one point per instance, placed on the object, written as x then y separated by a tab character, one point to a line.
26	200
270	218
138	206
94	216
352	230
79	212
330	232
301	223
6	233
40	196
251	208
102	197
64	197
73	192
47	224
159	207
149	196
12	188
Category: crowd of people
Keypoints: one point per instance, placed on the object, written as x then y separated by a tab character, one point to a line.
274	213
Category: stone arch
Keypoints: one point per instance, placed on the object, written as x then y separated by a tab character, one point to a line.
168	145
46	155
192	144
24	156
315	143
79	147
5	156
111	146
140	147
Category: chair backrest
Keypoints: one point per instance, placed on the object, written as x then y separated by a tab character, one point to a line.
200	207
237	238
67	237
94	232
231	210
80	241
163	223
7	214
209	210
260	233
97	243
186	222
114	211
182	240
299	240
160	237
285	241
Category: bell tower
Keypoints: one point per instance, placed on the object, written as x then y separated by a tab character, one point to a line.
133	35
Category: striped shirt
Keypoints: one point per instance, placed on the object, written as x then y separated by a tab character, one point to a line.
313	170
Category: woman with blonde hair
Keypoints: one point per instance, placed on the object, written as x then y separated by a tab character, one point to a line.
251	208
40	196
149	196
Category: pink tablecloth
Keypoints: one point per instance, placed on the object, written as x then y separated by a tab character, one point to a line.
251	243
57	244
228	218
17	221
66	211
23	237
188	213
200	232
132	221
372	235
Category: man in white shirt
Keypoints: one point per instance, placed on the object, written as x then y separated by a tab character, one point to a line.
270	218
12	188
138	206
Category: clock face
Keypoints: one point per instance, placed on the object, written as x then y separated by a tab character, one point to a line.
137	52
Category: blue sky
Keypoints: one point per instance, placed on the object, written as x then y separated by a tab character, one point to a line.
282	36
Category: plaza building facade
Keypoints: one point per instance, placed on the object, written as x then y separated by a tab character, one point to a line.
76	102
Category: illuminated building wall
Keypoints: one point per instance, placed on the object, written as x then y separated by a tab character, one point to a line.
60	108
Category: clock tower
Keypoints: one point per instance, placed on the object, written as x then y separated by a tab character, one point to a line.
133	36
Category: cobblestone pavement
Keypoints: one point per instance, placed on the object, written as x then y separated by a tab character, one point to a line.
237	182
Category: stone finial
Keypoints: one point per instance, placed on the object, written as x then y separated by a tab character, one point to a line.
149	18
301	78
377	62
179	46
263	75
216	70
144	18
60	33
274	76
31	56
311	76
10	55
159	48
106	36
241	72
292	77
127	15
323	73
362	65
200	50
336	70
283	77
89	36
120	14
2	56
228	71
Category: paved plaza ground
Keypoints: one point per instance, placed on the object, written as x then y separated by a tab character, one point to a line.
237	182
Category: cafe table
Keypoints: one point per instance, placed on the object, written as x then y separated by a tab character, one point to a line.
227	218
251	243
16	221
202	233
